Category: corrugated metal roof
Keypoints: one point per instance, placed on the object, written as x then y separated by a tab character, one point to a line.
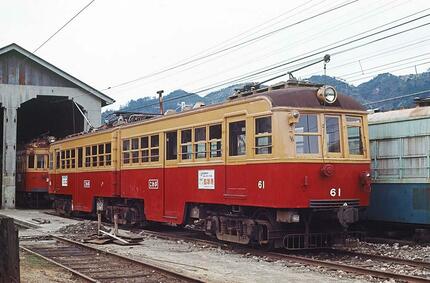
399	115
103	97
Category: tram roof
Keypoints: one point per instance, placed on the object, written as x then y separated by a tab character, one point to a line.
305	97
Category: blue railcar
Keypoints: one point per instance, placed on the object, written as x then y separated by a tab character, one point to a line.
400	150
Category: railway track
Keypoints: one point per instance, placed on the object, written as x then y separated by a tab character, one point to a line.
94	265
335	259
338	259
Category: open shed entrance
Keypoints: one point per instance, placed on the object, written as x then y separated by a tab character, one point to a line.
40	117
48	115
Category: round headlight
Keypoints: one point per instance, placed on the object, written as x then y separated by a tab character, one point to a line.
330	94
327	94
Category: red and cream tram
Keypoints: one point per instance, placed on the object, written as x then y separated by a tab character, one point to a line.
286	165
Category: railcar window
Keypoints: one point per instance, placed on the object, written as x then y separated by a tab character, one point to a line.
263	135
87	156
186	145
171	145
215	140
355	140
306	131
108	150
40	161
126	151
101	154
144	145
57	160
31	161
63	159
237	140
135	150
73	158
155	144
200	142
332	126
80	157
94	155
51	161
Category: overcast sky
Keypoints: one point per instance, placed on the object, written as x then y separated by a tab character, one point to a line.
113	42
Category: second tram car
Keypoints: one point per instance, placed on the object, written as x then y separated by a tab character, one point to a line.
285	166
32	174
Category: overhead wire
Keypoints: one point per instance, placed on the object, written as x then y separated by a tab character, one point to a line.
327	49
361	33
63	26
237	45
305	57
267	55
397	97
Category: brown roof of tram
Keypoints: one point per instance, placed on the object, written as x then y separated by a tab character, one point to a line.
305	97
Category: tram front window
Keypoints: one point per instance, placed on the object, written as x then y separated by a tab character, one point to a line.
306	130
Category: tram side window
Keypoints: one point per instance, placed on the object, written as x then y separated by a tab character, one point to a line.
155	151
355	140
87	156
144	146
171	145
94	155
186	145
215	140
306	131
135	150
40	161
108	150
237	140
80	156
63	159
57	160
263	135
31	161
101	154
51	161
73	158
126	151
332	126
200	142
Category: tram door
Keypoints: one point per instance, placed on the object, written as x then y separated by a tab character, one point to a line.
170	198
54	181
236	141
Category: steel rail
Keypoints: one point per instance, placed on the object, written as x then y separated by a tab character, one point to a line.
348	268
411	262
317	262
152	266
311	261
158	269
75	272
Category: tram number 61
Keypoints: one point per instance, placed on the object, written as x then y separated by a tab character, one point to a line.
261	184
335	192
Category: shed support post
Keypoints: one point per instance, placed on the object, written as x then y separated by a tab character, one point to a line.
9	157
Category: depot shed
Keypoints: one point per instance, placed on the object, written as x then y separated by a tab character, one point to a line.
37	98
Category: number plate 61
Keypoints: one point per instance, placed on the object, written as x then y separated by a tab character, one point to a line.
335	192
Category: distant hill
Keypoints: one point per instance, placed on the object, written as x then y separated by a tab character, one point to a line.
383	86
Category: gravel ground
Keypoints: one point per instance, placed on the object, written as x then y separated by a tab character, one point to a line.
218	265
414	252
